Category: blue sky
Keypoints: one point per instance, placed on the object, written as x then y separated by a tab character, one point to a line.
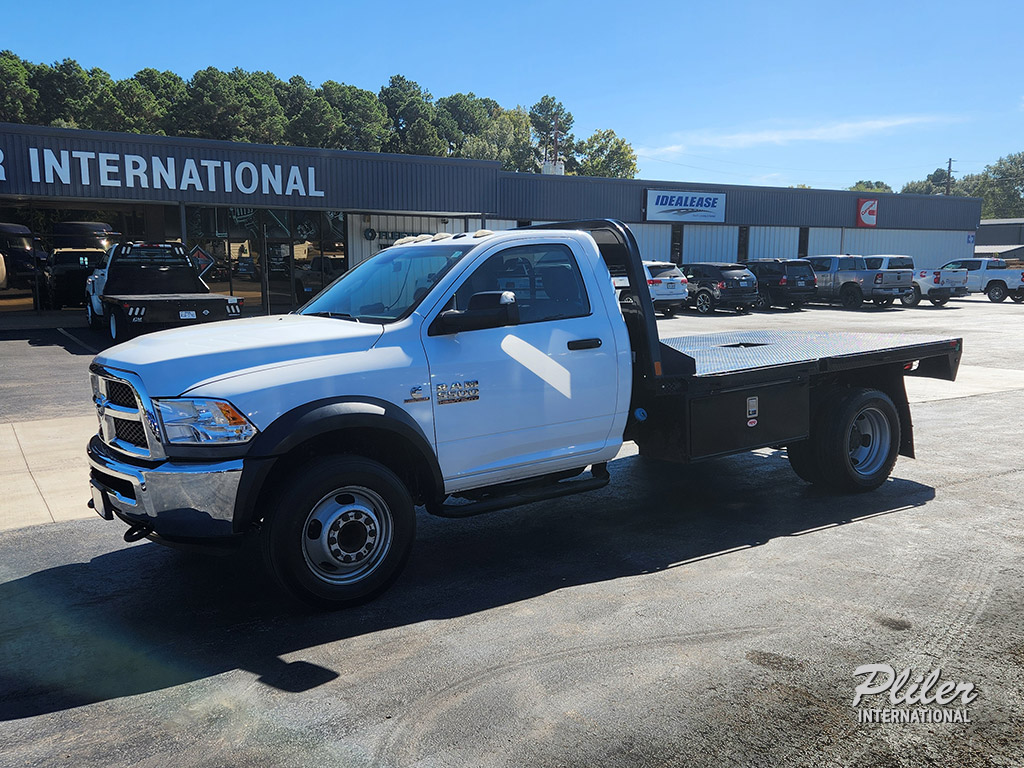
819	93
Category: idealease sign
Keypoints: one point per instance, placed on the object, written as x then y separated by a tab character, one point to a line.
685	205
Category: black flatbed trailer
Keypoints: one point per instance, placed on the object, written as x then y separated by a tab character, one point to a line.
156	285
830	398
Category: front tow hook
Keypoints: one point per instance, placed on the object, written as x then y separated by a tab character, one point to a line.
137	532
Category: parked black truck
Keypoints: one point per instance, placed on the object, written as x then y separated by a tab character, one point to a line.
151	285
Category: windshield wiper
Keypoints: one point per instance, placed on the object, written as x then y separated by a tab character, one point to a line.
340	315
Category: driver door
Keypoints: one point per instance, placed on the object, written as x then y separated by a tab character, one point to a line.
543	391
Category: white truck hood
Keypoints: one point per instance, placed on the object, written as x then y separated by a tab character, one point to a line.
172	362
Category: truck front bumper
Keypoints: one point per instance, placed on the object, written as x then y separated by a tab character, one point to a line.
172	499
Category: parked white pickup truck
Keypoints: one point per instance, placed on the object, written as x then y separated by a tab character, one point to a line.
992	277
936	285
466	374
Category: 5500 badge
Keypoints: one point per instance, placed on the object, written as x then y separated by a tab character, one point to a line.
458	392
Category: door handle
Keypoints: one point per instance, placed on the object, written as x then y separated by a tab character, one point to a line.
584	344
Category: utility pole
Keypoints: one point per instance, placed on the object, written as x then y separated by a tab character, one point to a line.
949	176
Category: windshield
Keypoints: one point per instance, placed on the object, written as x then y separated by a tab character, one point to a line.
18	242
388	286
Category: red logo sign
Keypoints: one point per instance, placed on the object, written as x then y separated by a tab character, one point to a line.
867	212
201	260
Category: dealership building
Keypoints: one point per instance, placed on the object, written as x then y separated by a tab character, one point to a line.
282	221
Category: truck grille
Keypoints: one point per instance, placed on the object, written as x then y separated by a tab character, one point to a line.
127	421
120	393
130	432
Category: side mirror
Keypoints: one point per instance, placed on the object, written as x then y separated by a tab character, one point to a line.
489	309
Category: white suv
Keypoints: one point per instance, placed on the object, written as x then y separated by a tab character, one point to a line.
667	284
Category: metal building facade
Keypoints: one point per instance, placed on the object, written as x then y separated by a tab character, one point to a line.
401	193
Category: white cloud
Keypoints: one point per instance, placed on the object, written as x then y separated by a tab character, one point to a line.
823	132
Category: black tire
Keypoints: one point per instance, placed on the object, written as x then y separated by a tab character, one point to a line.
668	311
742	309
939	302
348	497
997	292
705	302
857	440
797	304
850	297
911	298
1018	297
95	321
886	302
764	300
804	461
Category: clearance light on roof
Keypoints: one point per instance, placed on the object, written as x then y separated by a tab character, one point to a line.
482	233
441	236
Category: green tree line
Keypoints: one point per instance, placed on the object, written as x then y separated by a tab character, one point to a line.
999	185
261	108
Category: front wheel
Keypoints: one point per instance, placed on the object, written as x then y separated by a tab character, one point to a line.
705	303
340	532
857	440
1018	297
668	311
95	321
997	292
939	302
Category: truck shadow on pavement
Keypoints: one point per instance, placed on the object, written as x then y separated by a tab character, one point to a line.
144	618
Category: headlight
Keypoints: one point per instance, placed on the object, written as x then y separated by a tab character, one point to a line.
203	422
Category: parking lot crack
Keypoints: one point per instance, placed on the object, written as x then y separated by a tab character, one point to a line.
31	473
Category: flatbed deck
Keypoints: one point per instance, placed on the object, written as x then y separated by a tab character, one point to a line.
726	354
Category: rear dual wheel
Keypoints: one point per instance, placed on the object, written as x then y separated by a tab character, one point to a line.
853	444
940	301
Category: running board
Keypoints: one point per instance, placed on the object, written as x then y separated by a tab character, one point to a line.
599	479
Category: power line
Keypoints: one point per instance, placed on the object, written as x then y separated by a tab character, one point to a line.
780	168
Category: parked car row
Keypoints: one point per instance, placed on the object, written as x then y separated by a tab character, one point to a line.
849	280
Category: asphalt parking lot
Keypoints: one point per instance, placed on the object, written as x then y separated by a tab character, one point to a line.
704	615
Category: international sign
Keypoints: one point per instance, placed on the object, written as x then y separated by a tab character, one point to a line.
685	205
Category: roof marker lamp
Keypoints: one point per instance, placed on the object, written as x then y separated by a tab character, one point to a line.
203	422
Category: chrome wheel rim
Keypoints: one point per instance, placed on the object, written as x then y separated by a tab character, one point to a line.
868	443
703	302
347	535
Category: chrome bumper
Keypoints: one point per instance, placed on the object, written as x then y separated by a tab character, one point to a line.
174	499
